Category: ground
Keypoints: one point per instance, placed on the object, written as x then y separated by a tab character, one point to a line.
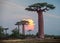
31	41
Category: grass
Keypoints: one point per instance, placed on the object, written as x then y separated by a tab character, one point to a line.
31	41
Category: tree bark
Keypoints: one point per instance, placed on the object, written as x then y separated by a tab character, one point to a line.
40	25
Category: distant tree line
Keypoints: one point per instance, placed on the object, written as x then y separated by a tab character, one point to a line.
15	34
52	36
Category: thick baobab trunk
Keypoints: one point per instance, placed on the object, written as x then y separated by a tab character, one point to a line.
40	25
23	30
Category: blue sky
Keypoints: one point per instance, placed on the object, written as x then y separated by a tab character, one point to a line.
13	11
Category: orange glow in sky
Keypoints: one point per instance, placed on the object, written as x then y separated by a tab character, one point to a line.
30	26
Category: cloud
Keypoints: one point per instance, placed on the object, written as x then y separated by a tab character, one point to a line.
12	6
8	8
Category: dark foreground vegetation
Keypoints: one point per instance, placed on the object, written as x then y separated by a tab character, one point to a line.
31	41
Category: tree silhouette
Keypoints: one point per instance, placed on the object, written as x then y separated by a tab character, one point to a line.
6	30
18	23
40	8
1	31
15	33
23	23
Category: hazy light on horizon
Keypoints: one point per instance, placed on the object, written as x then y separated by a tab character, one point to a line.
31	24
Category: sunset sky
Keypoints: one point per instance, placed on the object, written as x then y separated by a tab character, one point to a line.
30	25
12	11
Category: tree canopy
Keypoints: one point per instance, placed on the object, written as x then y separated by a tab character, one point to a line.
40	6
1	31
24	22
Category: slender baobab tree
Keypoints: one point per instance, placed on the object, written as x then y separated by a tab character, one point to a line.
6	30
18	23
23	23
1	31
40	8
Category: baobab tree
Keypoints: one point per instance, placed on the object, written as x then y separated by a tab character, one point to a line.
6	30
1	31
15	33
18	23
40	8
23	23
